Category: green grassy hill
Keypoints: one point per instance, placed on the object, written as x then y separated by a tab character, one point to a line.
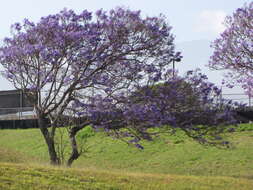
25	177
169	162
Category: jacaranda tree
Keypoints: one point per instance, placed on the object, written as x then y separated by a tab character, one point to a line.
187	104
69	56
233	50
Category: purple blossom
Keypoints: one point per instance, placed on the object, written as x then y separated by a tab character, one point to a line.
233	49
183	103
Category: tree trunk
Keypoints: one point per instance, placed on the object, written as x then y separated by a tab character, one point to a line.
75	153
49	139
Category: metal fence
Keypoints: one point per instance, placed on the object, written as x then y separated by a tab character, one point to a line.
21	113
14	105
236	94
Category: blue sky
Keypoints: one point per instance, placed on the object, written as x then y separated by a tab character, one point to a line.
191	19
195	22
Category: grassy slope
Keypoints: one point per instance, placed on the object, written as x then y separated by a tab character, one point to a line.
174	155
16	177
167	155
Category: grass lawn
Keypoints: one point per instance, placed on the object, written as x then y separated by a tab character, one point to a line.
168	162
17	177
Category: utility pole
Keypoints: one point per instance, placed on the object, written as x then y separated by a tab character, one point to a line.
173	68
173	65
249	97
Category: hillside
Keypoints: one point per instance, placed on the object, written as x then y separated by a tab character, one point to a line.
17	177
169	162
166	154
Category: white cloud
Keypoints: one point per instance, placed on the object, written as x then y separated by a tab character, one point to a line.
210	21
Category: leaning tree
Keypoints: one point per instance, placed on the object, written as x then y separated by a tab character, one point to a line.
68	56
233	50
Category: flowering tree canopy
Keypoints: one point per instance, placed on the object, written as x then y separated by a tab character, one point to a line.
67	56
186	103
233	50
